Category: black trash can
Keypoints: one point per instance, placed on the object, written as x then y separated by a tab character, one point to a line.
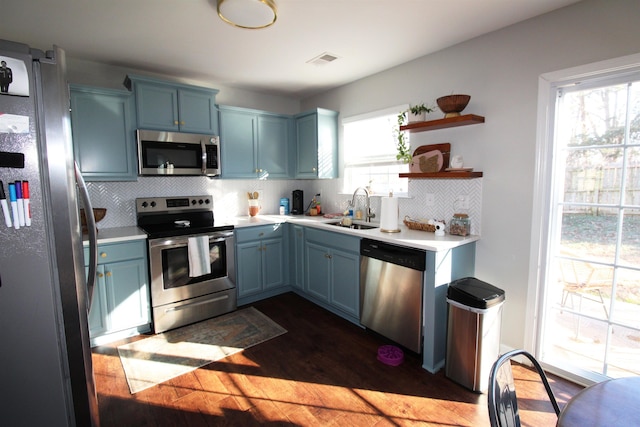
473	331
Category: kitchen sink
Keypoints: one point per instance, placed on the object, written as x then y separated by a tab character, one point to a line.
355	225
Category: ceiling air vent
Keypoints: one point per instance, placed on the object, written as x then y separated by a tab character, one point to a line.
323	59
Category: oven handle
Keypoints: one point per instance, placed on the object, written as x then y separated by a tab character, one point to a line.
176	242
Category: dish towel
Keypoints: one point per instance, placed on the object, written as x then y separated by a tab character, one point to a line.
198	251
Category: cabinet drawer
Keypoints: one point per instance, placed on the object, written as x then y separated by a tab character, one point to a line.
113	252
333	239
247	234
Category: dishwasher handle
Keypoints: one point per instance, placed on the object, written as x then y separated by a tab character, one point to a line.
414	259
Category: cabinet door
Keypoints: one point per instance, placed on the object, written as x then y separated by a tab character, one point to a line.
249	271
237	144
197	112
98	312
297	256
157	107
345	281
103	129
317	144
127	294
273	145
318	271
273	263
307	144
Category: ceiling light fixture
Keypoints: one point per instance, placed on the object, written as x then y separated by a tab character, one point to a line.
251	14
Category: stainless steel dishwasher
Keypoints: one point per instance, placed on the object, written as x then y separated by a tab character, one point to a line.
391	280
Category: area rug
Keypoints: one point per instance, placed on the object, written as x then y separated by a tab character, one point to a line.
165	356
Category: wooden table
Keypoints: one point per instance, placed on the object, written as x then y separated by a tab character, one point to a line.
609	403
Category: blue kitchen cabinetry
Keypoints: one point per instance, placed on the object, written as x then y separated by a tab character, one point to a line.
332	271
254	143
259	262
296	256
120	306
316	144
442	268
103	129
162	105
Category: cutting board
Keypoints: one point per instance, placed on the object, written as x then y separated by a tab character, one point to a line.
430	158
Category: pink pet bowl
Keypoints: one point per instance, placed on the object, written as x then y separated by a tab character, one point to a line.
390	355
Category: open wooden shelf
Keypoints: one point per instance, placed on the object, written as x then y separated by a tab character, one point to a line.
443	175
451	122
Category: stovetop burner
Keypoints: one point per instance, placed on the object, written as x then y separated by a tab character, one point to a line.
176	216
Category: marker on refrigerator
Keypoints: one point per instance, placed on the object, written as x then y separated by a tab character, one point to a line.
14	206
27	203
20	201
5	206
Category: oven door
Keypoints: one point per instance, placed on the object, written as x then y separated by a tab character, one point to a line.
169	268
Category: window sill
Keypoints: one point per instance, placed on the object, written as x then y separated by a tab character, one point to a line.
397	195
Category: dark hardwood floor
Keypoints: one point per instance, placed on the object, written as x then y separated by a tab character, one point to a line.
322	372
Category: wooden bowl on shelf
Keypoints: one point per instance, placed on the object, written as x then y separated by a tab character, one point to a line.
98	214
452	105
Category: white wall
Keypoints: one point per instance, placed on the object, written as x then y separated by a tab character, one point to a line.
500	71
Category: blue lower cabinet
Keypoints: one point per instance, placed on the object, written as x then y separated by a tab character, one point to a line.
332	267
260	261
345	281
120	305
296	256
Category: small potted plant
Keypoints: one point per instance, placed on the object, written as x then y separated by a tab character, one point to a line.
415	113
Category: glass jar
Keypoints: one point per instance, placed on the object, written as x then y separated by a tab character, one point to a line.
460	225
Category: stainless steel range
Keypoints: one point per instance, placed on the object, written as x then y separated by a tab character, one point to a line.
191	260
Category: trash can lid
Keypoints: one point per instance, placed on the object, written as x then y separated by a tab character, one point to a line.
474	293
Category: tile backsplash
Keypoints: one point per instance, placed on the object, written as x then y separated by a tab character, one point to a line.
230	196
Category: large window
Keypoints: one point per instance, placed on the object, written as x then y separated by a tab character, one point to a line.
591	313
370	152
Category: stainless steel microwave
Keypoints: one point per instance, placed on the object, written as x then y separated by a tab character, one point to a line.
177	153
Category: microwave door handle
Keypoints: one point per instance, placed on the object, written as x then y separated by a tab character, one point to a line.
204	157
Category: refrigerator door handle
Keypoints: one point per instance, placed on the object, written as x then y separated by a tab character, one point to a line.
93	236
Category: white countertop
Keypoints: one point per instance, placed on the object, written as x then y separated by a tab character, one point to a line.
117	234
406	237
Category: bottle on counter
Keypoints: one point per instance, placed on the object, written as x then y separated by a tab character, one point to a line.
284	206
317	203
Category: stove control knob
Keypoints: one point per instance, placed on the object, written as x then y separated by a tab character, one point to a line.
200	201
193	202
207	201
145	204
153	204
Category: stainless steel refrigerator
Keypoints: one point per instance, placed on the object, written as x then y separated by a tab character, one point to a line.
46	373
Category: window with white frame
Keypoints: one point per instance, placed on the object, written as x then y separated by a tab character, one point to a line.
370	152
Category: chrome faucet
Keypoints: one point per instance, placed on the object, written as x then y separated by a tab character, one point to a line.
367	214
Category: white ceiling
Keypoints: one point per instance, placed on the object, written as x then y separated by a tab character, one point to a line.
186	38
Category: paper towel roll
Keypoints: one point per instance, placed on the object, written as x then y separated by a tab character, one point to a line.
389	215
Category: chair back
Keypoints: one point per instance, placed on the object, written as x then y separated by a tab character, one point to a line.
502	399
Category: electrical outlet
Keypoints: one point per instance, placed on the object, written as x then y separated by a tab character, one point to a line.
430	199
462	202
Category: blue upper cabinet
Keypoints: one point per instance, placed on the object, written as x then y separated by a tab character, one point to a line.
237	143
274	145
162	105
254	143
103	129
317	144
